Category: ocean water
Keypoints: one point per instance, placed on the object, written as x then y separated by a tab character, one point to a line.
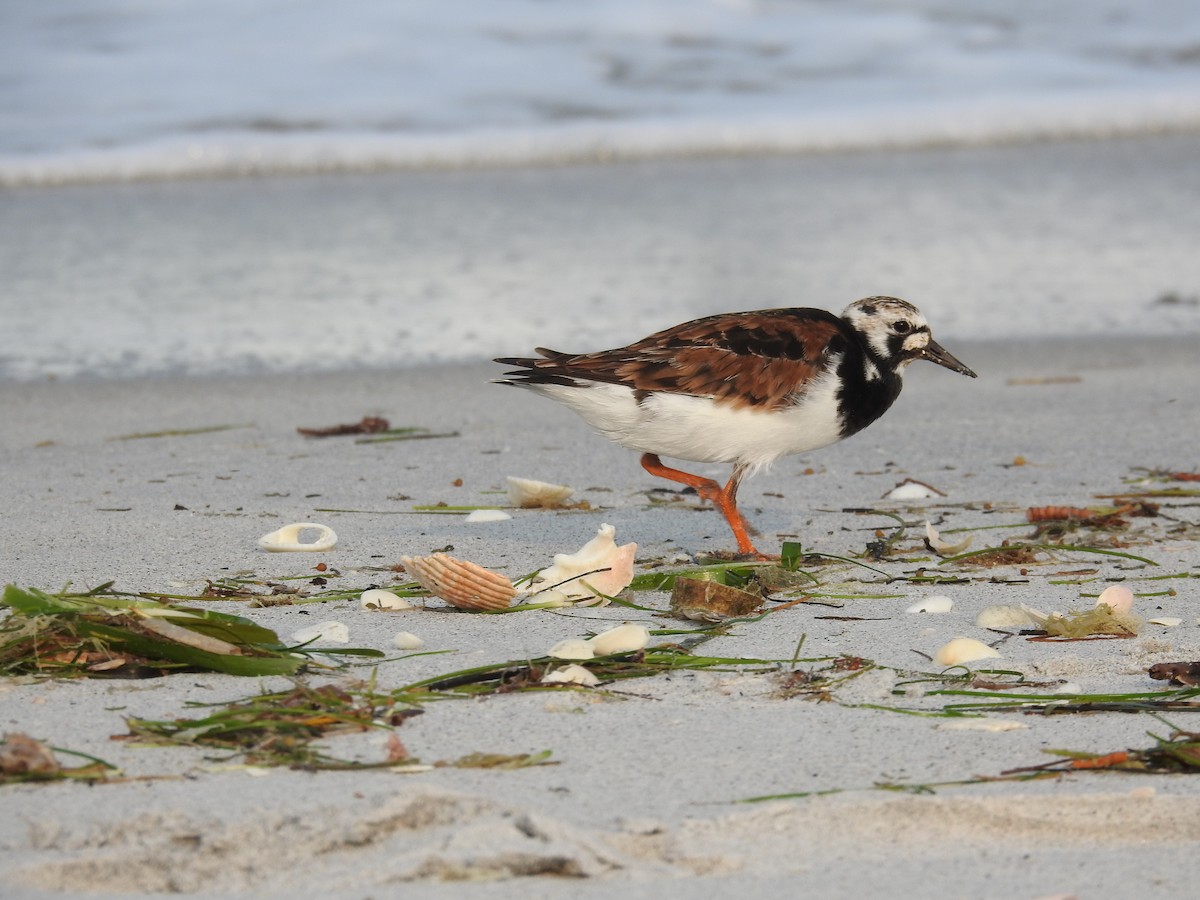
102	89
201	275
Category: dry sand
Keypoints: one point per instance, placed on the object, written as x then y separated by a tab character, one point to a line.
643	798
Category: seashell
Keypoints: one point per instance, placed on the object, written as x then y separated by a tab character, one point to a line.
1003	616
933	540
406	640
529	494
1068	687
1117	597
572	648
961	650
622	639
934	604
476	516
1039	618
705	600
911	489
288	538
329	632
377	598
571	674
597	570
460	583
1168	621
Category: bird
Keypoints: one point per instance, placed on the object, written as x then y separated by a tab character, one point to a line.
744	388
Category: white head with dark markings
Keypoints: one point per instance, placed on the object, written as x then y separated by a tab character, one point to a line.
894	333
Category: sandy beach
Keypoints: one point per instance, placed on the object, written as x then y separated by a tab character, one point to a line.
123	480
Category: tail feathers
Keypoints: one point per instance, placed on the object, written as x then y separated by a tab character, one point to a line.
533	373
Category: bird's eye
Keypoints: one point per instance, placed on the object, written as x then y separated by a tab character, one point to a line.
902	327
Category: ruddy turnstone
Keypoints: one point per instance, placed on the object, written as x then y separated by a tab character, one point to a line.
743	388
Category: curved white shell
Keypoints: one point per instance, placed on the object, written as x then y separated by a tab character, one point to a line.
934	604
288	538
597	570
1168	621
377	598
571	674
1117	597
911	489
323	632
1003	616
963	649
622	639
406	640
944	548
477	516
572	648
527	493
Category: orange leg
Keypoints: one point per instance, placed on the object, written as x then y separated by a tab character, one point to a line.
725	498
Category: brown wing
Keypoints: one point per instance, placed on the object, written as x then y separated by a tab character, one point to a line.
760	359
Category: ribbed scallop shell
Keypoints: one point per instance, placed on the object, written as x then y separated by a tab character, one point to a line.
460	583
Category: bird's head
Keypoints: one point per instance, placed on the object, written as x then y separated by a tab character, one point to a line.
895	333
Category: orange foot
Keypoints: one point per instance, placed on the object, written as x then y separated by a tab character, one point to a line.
725	499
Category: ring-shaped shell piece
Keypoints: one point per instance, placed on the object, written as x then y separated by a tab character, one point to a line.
460	583
287	538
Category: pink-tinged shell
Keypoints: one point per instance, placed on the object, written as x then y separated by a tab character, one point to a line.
589	576
460	583
1116	597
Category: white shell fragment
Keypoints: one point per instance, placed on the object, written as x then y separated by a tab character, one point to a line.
377	598
622	639
460	583
287	538
1003	616
406	640
911	489
1168	621
323	633
598	570
963	649
934	604
933	540
1116	597
477	516
571	674
572	648
992	725
529	494
1039	618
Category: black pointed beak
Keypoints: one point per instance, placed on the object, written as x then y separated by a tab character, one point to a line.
936	353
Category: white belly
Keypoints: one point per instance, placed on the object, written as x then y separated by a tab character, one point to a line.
697	428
